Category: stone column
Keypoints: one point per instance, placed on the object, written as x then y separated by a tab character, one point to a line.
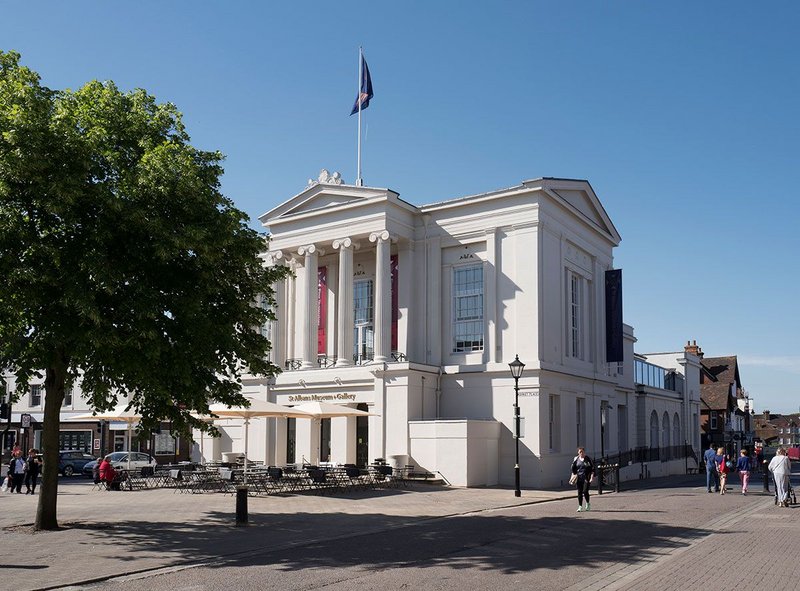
291	310
280	325
310	307
344	314
383	296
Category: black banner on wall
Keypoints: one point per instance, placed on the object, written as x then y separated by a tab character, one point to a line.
614	315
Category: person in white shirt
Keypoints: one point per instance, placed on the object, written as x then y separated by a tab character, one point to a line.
781	467
16	469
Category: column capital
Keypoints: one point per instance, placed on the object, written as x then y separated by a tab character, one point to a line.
346	242
310	249
274	256
382	235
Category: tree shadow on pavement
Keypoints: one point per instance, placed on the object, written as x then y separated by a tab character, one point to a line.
507	544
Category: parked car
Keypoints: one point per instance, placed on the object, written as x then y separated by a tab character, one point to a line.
119	460
71	462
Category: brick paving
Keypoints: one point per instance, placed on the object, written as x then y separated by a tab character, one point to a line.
752	548
667	534
105	533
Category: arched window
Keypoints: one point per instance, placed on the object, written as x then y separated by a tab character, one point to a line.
654	429
665	433
677	439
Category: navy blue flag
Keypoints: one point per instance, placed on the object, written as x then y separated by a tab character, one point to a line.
614	332
366	88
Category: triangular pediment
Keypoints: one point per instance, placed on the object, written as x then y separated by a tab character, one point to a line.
581	201
579	196
319	196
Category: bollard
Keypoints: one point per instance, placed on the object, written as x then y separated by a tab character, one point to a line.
600	479
766	479
241	505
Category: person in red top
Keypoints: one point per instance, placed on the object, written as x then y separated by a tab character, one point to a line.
107	472
722	468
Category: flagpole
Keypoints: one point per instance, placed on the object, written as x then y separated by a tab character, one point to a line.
359	181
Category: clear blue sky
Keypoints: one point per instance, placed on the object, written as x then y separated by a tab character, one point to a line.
682	115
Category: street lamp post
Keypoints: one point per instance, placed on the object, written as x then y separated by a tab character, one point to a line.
516	368
604	406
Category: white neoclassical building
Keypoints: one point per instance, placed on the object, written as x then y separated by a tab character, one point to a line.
413	313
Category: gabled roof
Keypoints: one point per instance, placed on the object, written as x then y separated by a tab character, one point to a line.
715	396
580	196
318	196
722	369
576	195
783	421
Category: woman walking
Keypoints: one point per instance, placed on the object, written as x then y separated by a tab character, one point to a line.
781	467
722	468
583	468
743	468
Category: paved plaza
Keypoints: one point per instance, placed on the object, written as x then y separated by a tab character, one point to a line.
658	534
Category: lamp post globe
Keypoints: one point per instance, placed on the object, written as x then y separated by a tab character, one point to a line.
516	368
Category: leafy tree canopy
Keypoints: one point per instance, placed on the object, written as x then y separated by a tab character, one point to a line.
120	260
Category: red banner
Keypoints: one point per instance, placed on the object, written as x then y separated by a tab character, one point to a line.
322	297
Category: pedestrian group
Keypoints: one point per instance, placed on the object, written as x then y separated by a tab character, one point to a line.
23	471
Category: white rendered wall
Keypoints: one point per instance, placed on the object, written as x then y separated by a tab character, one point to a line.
463	451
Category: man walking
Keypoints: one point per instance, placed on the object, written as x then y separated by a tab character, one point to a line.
711	468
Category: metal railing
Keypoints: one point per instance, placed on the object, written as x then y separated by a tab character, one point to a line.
642	455
608	476
325	361
292	364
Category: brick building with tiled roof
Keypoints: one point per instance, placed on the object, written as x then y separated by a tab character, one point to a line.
778	429
724	416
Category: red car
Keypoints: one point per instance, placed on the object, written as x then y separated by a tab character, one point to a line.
793	453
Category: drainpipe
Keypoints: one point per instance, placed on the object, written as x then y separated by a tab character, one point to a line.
439	394
426	218
422	404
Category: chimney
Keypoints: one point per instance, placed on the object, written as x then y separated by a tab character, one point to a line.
766	415
691	347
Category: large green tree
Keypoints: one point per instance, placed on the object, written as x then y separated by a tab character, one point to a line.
121	262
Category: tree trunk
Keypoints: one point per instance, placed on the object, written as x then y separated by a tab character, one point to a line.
46	515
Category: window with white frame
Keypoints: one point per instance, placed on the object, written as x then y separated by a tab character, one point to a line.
622	427
604	423
363	315
553	432
36	395
468	308
574	315
580	422
713	419
576	320
653	429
